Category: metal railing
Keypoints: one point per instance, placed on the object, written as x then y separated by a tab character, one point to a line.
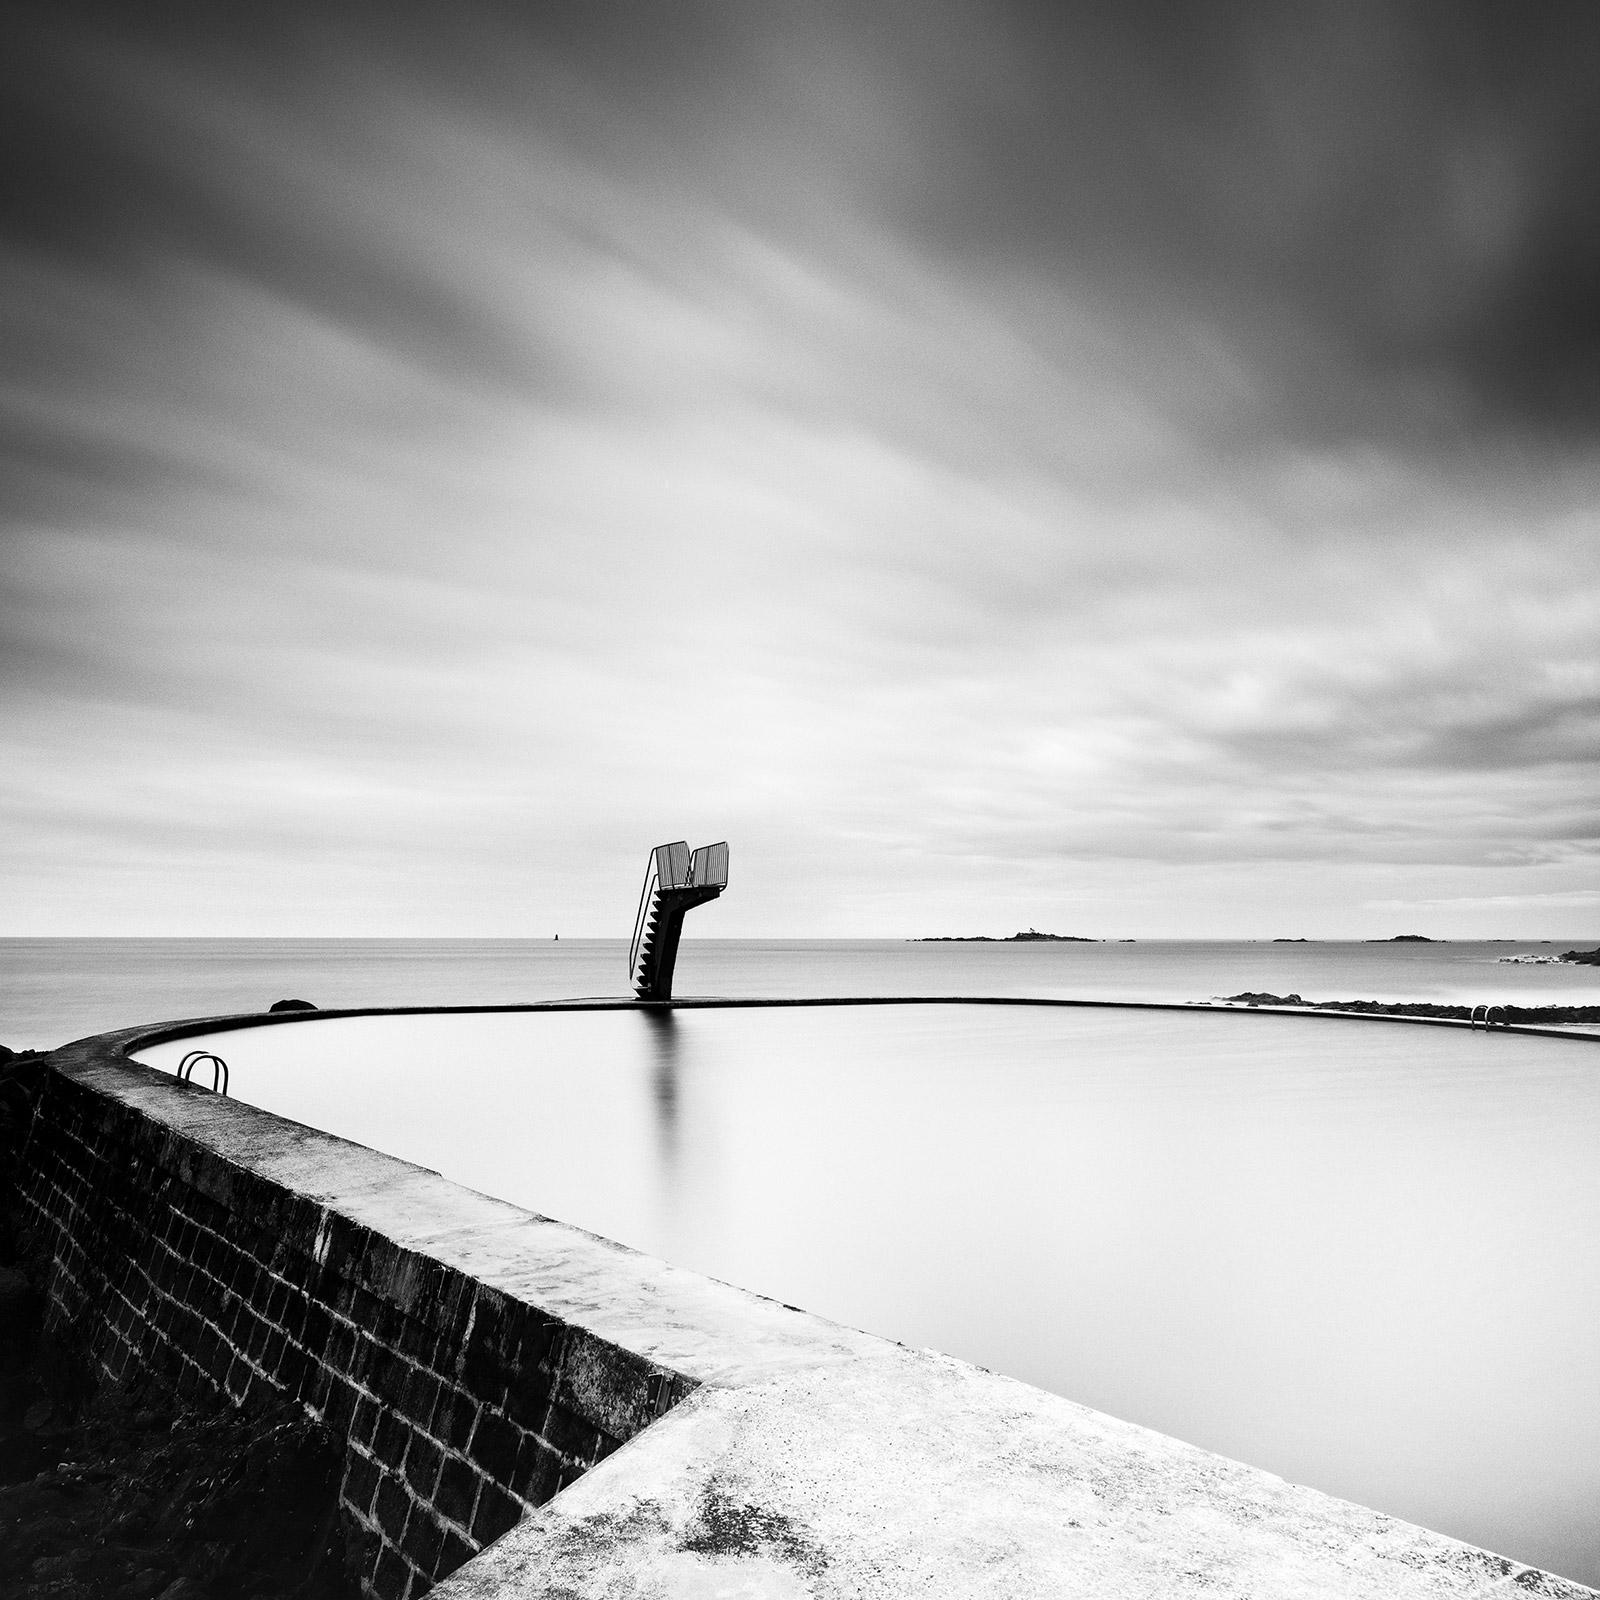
708	866
646	899
202	1058
674	866
669	869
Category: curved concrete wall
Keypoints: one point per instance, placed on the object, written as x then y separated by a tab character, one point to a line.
598	1422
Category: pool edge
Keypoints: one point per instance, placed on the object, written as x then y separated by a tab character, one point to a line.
731	1435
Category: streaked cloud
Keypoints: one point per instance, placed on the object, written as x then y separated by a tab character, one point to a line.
996	470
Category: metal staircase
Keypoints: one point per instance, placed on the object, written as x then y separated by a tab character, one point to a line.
675	881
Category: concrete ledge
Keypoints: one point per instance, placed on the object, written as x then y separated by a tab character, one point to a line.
736	1446
910	1473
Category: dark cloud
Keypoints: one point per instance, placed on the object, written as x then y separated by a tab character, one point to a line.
1521	738
50	472
1516	730
268	152
1390	206
1387	207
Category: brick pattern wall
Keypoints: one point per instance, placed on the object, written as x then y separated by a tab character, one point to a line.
460	1407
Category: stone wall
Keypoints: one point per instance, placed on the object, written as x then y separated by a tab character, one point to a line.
460	1406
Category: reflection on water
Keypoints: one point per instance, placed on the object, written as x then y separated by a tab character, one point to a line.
663	1032
1361	1255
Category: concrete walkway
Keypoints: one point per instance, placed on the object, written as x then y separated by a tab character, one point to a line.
908	1473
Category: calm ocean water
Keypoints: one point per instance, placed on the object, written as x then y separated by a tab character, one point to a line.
54	990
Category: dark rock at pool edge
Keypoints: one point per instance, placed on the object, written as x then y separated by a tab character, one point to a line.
291	1005
1586	1015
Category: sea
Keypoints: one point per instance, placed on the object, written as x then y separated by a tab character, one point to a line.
56	990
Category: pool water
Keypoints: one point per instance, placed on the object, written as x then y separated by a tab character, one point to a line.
1359	1254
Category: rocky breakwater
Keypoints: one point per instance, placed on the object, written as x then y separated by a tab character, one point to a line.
1531	1015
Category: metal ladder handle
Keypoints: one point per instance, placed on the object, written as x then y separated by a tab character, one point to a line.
219	1069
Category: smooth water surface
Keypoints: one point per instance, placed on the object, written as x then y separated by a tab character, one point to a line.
1360	1254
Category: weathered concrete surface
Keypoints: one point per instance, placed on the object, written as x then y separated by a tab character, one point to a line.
909	1473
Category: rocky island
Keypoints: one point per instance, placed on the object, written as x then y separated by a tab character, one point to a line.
1032	936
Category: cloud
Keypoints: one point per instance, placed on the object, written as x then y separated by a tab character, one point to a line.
952	446
1385	206
1553	899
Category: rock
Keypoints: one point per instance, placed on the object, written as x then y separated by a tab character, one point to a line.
138	1488
19	1315
1583	958
48	1568
291	1005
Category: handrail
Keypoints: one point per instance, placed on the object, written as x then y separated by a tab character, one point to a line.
641	917
197	1058
671	867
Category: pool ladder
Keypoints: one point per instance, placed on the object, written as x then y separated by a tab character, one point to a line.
1489	1016
203	1058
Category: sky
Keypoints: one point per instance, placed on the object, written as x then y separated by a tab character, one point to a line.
1131	470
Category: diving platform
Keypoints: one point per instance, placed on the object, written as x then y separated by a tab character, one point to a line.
675	881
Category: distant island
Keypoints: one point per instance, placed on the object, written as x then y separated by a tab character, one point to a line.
1291	941
1403	938
1032	936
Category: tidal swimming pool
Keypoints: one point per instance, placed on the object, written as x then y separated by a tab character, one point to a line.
1359	1254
